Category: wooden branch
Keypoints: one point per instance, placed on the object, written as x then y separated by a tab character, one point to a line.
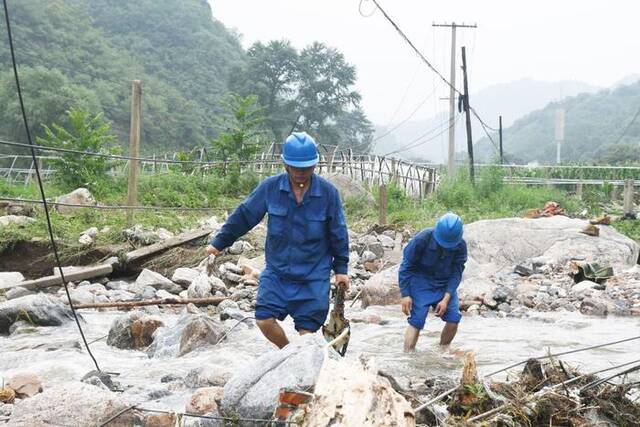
166	244
48	281
166	301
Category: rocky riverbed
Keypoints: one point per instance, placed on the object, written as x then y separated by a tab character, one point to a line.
518	295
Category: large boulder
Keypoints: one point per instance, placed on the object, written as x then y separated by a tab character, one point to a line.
494	244
10	278
38	309
253	391
193	330
382	288
133	330
15	220
184	276
80	196
25	385
204	401
200	287
73	404
349	188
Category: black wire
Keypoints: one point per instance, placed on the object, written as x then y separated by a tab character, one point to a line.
41	187
417	142
626	129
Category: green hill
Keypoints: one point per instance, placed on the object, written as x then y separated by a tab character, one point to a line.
603	127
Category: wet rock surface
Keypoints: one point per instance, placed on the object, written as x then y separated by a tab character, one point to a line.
40	309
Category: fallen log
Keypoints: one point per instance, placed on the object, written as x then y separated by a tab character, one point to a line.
166	301
48	281
166	244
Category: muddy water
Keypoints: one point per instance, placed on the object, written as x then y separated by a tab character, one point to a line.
54	354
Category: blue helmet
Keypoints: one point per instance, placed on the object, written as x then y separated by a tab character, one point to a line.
448	231
300	151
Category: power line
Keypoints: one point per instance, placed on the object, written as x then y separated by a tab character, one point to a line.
626	129
417	143
40	186
117	207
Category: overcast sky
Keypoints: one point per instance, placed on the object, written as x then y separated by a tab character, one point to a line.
587	40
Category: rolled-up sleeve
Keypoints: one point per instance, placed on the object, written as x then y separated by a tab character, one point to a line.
244	218
338	236
458	268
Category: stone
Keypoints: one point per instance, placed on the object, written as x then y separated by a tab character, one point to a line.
161	420
382	288
133	330
140	235
254	389
81	296
593	307
504	307
217	285
228	304
86	240
91	232
8	278
192	330
73	404
22	327
17	292
489	302
200	287
184	276
206	376
80	196
15	221
162	294
203	401
38	309
120	295
157	281
25	385
373	266
501	294
116	284
367	256
386	241
580	288
349	188
377	249
100	379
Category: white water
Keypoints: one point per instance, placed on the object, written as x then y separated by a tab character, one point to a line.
54	353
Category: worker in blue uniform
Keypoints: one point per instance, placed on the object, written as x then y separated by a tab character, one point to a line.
306	238
429	276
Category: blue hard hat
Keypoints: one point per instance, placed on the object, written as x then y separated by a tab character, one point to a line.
448	231
300	151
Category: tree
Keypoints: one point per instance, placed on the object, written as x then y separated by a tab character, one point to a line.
355	131
84	132
241	135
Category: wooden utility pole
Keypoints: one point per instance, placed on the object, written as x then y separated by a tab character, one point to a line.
465	102
134	148
452	94
500	133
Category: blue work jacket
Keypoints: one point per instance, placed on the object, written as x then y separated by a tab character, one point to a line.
424	259
304	241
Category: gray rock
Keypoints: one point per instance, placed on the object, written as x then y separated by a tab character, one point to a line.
184	276
239	247
39	309
501	294
6	409
15	221
382	288
148	293
349	188
505	307
191	331
206	376
580	288
100	379
367	256
81	296
120	295
386	241
253	391
10	278
157	281
18	292
73	404
217	285
116	284
86	240
22	327
377	249
162	294
200	287
594	307
133	330
228	304
489	302
80	196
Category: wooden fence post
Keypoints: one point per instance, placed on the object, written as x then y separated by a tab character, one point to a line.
628	197
579	186
134	148
382	218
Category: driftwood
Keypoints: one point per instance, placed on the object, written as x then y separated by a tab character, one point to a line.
166	301
48	281
166	244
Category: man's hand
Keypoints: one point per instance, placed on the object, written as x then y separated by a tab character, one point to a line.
406	303
441	308
342	280
210	250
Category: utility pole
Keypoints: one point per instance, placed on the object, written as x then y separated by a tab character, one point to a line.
559	133
500	133
452	94
134	148
465	102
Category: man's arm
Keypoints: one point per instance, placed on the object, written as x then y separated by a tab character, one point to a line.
244	218
339	239
410	257
458	268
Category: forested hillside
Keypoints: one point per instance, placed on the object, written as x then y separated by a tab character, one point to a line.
603	128
84	54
